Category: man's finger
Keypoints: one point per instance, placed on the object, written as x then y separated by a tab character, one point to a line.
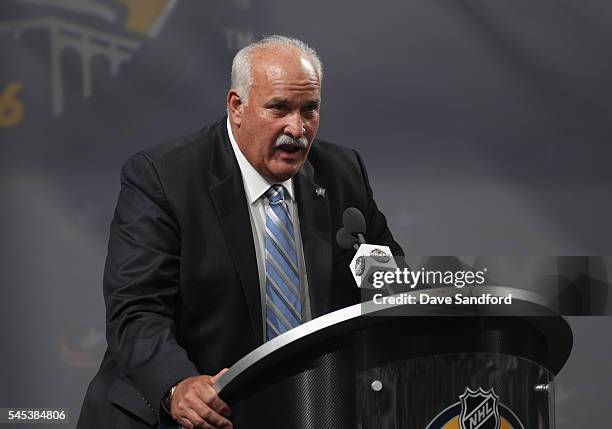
185	423
193	417
215	420
218	375
208	395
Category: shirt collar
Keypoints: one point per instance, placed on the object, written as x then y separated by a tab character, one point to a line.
254	183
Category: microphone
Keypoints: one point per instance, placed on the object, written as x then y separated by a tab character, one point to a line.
354	223
369	258
346	240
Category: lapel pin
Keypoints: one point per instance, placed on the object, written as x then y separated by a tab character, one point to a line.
320	192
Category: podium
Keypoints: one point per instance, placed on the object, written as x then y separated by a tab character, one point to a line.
407	366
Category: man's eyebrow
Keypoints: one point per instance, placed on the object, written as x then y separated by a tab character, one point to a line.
284	101
277	100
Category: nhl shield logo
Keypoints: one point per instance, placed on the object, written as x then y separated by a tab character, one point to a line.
479	409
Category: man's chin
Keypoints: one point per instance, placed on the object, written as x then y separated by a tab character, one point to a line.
280	173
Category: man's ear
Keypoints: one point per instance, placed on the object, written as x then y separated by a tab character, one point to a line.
235	107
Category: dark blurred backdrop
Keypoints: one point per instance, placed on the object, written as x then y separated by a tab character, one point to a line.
485	125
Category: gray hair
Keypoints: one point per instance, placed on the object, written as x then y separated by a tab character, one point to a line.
242	77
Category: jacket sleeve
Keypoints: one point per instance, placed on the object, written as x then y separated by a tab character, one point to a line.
141	283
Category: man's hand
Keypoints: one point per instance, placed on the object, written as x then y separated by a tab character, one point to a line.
195	404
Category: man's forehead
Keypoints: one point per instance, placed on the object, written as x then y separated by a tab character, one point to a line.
276	64
278	67
287	89
289	94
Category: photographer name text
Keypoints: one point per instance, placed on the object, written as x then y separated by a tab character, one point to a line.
427	299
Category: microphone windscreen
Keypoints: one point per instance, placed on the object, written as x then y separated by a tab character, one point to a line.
353	221
345	240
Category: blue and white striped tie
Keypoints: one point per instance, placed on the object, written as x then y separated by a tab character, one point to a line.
283	308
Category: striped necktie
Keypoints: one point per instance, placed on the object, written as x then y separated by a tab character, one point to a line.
283	308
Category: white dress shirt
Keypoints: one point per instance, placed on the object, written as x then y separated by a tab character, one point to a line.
255	187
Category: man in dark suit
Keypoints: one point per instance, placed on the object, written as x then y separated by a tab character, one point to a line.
222	240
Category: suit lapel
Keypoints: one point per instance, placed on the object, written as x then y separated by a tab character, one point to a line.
227	193
315	225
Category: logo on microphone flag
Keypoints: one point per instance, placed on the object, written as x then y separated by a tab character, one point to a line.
368	259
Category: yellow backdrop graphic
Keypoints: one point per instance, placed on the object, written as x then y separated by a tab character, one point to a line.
143	15
11	108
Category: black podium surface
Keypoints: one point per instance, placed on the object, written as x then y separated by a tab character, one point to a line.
407	366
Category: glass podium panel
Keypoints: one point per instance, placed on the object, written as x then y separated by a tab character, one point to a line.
462	391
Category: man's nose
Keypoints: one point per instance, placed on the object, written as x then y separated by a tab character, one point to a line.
295	127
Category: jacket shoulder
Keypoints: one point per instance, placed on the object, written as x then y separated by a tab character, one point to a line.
323	148
334	161
192	146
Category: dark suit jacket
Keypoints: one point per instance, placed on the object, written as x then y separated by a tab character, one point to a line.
181	284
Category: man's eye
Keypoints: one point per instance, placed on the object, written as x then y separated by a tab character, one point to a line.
309	110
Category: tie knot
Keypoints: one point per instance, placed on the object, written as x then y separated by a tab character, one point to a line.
276	194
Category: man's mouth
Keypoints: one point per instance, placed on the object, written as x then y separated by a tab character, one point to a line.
288	145
289	148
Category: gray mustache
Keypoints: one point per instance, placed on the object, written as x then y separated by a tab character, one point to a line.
285	140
